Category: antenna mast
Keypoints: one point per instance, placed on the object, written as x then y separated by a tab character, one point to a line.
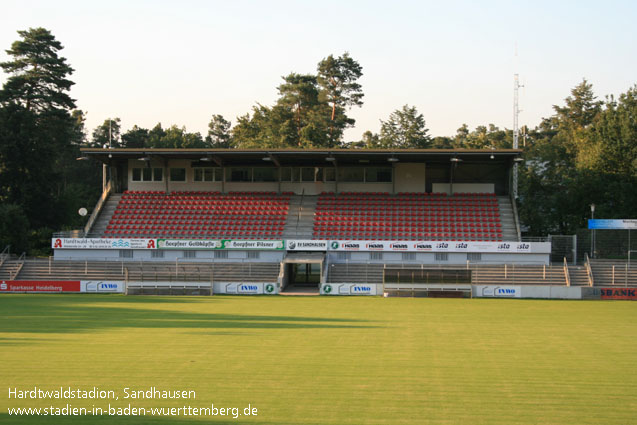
516	128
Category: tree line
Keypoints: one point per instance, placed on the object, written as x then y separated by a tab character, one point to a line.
586	152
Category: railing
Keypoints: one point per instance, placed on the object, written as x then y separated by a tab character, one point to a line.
98	208
514	208
589	271
20	265
5	254
566	273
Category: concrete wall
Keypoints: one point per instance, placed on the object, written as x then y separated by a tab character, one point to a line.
464	188
453	258
169	255
409	177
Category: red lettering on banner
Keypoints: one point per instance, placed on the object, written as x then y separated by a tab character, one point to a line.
619	293
40	286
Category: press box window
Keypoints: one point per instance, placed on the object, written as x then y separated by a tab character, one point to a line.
442	256
147	174
240	174
254	255
351	174
205	174
190	254
177	174
156	254
265	174
311	174
378	175
221	254
289	174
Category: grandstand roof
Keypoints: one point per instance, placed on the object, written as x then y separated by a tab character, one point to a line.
301	156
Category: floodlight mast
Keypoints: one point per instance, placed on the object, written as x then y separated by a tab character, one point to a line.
516	130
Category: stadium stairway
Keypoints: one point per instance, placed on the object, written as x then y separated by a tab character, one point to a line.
613	273
300	218
578	275
105	215
11	269
507	218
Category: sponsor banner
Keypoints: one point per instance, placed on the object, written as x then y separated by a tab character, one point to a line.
441	246
251	288
188	244
612	224
305	245
619	294
349	289
102	243
102	286
40	286
249	244
498	291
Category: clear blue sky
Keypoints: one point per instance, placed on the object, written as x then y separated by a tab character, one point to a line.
180	62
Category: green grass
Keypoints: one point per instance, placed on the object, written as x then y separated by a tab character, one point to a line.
329	360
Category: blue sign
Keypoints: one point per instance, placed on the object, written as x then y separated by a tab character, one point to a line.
612	224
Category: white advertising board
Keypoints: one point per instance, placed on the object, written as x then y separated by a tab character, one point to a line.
188	244
102	243
102	286
441	246
349	289
305	245
497	291
249	288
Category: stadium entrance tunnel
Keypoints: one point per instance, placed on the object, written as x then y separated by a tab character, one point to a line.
302	273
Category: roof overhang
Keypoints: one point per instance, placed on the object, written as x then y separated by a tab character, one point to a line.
289	157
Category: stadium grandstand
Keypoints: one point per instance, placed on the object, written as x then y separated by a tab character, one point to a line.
277	221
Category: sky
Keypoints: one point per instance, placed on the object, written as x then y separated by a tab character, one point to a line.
181	62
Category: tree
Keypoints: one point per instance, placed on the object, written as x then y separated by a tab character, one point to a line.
339	87
299	93
107	134
219	135
405	128
136	137
39	80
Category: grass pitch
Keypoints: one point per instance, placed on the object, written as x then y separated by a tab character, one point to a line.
327	360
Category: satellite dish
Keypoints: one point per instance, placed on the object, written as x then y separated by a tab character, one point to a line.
82	211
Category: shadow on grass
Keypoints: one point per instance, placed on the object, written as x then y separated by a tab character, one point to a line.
68	314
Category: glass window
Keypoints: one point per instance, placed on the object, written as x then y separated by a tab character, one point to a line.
147	174
330	174
190	254
254	255
307	174
351	174
208	174
198	174
474	256
409	256
157	254
240	174
137	174
378	174
265	174
177	174
442	256
205	174
158	174
218	172
286	174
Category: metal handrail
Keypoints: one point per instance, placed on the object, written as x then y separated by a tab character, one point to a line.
589	271
98	207
566	273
